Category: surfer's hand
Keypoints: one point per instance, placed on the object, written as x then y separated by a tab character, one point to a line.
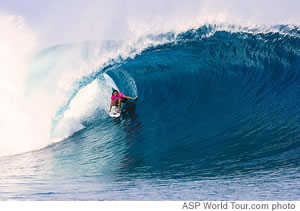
135	97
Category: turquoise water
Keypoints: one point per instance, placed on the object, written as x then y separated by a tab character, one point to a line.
217	118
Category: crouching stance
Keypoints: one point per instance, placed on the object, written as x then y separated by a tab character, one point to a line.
117	99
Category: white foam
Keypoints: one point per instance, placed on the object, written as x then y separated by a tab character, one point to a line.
95	96
23	121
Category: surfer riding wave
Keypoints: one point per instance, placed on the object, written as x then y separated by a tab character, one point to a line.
117	99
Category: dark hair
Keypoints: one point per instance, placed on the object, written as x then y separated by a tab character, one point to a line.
114	92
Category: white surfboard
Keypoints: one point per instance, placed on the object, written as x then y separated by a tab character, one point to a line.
113	112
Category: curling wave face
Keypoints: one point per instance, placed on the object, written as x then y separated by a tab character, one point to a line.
213	101
210	104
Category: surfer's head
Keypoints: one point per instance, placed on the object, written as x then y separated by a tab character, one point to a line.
115	93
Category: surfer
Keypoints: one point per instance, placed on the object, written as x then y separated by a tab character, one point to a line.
117	99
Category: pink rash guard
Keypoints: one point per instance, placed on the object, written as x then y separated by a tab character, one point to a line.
120	96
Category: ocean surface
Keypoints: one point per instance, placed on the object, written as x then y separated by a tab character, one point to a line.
217	118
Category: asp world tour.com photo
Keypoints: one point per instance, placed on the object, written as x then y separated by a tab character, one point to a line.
161	104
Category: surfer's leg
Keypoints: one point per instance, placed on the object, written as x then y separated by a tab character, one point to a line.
115	103
120	103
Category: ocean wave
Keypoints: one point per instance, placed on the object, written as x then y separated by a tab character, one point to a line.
213	97
210	100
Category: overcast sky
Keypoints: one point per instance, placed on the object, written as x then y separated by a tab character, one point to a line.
66	21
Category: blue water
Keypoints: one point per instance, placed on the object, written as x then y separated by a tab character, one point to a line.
217	118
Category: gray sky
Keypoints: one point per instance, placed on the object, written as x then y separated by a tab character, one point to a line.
67	21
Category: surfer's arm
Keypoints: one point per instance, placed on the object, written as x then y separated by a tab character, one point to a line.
133	98
110	107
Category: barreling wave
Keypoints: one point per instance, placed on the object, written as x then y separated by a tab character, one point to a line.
211	101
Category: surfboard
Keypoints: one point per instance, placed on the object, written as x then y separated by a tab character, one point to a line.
113	112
